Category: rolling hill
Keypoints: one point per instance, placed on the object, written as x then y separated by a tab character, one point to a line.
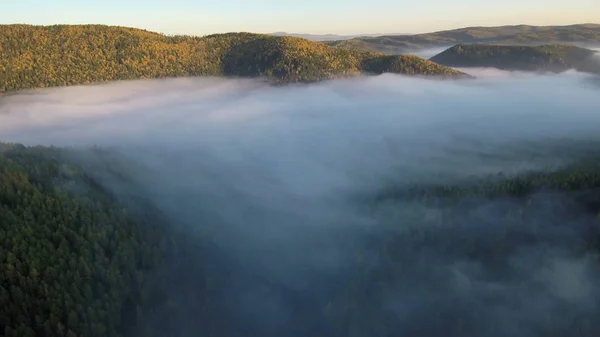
583	34
46	56
546	58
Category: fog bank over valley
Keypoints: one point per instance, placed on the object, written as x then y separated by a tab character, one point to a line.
300	187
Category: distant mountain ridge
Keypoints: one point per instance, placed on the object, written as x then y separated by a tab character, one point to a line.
326	37
45	56
545	58
580	34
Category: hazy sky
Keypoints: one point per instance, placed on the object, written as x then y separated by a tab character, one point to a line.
201	17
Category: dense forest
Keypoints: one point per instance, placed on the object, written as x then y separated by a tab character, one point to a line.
75	261
584	34
59	55
552	58
78	260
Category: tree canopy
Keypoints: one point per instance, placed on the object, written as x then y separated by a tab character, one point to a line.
77	261
553	58
59	55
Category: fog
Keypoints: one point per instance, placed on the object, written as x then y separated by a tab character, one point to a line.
429	52
276	179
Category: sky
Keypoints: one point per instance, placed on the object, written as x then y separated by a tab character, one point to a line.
201	17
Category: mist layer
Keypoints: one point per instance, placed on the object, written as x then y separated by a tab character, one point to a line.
275	179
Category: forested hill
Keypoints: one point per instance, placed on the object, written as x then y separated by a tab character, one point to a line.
75	262
78	260
553	58
44	56
72	260
583	34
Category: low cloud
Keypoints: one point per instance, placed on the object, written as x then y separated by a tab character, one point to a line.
274	177
429	52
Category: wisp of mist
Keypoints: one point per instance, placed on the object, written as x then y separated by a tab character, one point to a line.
275	177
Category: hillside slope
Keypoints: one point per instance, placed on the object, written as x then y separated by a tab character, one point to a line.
79	260
584	34
45	56
553	58
72	260
75	263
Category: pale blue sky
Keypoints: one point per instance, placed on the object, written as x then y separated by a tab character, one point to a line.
200	17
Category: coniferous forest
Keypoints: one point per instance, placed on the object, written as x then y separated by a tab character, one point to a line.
78	262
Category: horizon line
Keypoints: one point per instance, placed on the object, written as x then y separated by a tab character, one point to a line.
292	33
